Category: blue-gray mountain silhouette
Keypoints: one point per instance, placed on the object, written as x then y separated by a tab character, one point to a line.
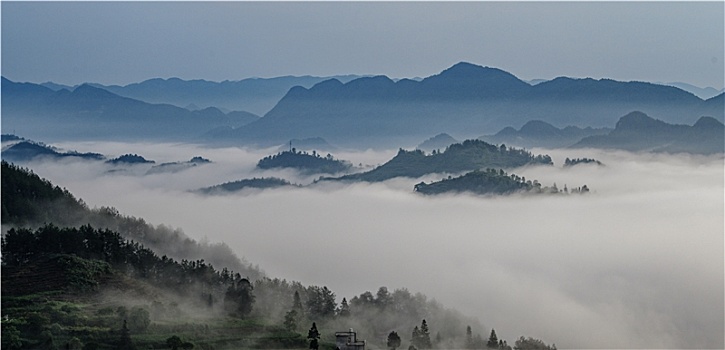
463	99
256	95
537	133
93	113
637	131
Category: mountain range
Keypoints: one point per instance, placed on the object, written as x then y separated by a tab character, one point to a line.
466	100
537	133
256	95
637	131
92	113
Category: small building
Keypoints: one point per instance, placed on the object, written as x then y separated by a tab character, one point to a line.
348	341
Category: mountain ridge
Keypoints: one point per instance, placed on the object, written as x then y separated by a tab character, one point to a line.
461	99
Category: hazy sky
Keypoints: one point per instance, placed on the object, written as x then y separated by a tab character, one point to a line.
124	42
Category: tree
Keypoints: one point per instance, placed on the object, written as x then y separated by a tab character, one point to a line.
125	343
174	342
320	302
421	336
239	296
492	340
469	338
10	337
532	344
425	342
313	334
344	310
74	344
415	337
290	320
383	298
393	340
297	302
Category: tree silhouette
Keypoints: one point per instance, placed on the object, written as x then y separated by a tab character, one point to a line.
469	338
344	308
290	320
125	343
313	334
174	342
492	340
393	340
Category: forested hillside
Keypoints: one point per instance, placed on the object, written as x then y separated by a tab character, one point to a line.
94	287
466	156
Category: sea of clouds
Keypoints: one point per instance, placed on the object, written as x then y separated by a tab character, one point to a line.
636	263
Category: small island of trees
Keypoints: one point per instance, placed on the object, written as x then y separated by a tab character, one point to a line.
572	162
312	163
492	182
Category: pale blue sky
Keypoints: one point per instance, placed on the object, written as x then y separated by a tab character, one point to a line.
124	42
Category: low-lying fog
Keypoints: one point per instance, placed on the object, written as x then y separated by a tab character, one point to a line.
637	263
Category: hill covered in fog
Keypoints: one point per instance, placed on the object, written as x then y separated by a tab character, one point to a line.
465	156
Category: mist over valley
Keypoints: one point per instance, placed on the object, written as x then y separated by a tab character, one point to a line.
362	175
639	256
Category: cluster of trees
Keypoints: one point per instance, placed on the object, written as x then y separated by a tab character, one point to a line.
27	200
233	186
309	163
571	162
466	156
130	159
493	182
21	247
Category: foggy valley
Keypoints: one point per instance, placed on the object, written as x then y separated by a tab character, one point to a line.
478	175
639	257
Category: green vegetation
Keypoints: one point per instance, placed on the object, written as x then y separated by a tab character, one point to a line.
93	287
304	162
467	156
234	186
28	200
572	162
491	182
130	159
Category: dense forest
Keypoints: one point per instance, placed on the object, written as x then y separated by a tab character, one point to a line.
94	287
312	163
492	182
30	201
466	156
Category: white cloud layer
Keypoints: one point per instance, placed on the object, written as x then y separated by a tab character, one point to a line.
638	263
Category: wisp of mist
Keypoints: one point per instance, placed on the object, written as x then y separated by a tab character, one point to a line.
637	263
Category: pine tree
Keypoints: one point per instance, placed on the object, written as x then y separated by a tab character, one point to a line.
313	334
469	338
290	320
344	308
415	338
492	340
297	302
421	336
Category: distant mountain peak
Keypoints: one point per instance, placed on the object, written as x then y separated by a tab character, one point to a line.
638	120
539	128
708	123
87	90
